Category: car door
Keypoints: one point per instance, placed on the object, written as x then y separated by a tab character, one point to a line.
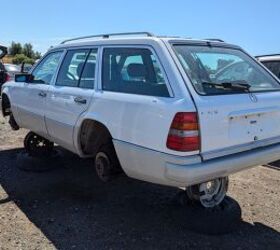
71	94
30	97
135	102
135	96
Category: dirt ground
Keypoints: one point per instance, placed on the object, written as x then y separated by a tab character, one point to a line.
69	208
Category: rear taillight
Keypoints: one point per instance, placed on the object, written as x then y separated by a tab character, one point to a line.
184	132
8	78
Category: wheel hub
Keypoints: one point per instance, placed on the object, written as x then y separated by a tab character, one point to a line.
37	146
102	166
210	193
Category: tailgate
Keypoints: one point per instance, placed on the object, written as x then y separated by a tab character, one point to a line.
235	123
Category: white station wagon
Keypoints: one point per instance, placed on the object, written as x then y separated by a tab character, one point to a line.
172	111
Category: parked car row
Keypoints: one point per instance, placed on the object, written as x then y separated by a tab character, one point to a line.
172	111
8	70
272	62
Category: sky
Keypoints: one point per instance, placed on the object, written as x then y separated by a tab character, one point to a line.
251	24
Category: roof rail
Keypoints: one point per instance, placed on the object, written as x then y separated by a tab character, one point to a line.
104	36
267	55
215	40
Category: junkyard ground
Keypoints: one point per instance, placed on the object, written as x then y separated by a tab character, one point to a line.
69	208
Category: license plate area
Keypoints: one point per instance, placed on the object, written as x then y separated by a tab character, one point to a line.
253	127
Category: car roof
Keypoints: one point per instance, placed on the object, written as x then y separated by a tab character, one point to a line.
13	66
10	64
133	39
272	57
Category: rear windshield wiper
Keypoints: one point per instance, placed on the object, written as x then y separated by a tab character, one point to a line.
234	85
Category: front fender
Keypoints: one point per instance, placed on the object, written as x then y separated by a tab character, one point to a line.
7	91
4	96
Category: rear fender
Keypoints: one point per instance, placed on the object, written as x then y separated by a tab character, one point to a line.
88	116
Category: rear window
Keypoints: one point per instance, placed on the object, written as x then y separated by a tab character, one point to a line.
217	70
273	66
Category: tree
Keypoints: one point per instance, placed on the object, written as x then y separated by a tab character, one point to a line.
28	50
20	58
15	48
37	55
18	52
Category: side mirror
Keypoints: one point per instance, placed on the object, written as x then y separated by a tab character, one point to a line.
23	78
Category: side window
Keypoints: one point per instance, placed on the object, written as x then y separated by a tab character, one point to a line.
134	71
45	70
88	76
71	68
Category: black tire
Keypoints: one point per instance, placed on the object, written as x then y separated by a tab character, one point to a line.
37	146
222	219
106	163
13	122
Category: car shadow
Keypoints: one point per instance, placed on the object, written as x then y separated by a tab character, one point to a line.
74	209
274	165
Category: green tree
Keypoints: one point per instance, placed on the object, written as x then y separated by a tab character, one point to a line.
20	58
37	55
15	48
28	50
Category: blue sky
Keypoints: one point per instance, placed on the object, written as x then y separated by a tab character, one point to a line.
252	24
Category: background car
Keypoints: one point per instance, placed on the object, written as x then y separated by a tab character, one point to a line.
272	62
11	70
3	74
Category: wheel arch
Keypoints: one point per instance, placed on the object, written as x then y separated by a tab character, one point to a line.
91	133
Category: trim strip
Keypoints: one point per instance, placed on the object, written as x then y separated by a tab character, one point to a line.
240	148
183	133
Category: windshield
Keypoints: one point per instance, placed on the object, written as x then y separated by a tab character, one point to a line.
217	70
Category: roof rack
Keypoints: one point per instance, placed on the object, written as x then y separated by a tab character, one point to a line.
105	36
215	40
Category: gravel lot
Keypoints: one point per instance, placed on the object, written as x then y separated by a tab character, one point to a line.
68	208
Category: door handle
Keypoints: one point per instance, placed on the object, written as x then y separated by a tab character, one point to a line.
42	94
80	100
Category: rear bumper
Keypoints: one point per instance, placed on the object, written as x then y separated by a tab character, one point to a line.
161	168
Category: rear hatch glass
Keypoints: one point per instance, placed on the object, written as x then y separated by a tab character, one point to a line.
237	100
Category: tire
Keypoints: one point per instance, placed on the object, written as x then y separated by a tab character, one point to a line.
106	162
37	146
13	122
222	219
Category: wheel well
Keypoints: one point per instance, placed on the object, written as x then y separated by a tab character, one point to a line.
93	134
6	105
